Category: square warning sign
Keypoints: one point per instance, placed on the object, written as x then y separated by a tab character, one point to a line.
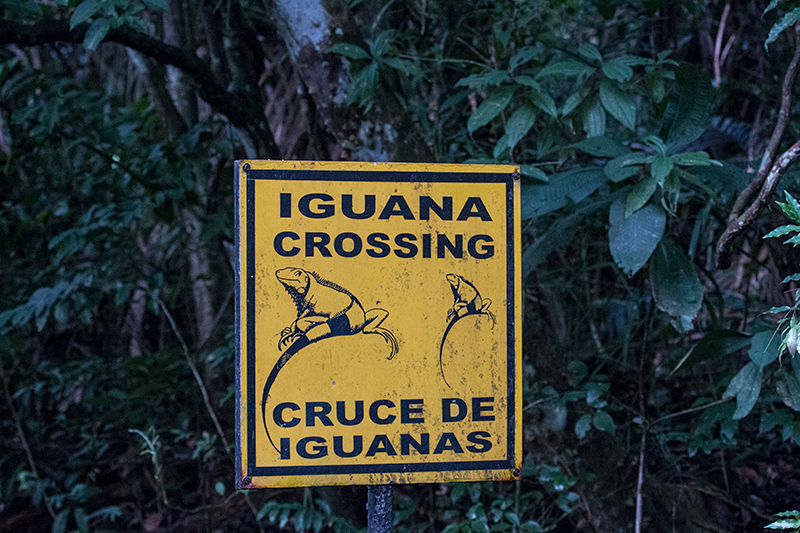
378	323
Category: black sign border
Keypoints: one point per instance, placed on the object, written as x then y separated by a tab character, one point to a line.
363	175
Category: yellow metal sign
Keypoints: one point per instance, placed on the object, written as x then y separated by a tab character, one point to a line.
379	323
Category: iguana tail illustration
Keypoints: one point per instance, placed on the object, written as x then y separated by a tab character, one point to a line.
374	318
301	342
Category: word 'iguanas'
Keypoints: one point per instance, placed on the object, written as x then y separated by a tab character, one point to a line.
467	302
324	309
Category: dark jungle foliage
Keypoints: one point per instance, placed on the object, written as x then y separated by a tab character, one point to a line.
661	389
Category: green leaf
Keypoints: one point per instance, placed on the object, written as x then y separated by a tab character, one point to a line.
351	51
566	68
573	101
583	425
603	421
745	386
590	51
765	348
523	55
693	159
789	389
559	234
781	231
594	120
624	166
633	239
160	5
640	195
603	146
573	185
772	5
84	11
534	172
714	345
519	124
790	208
676	286
403	65
60	523
619	104
788	20
362	88
618	69
496	77
220	488
81	520
527	81
694	107
660	167
544	101
96	33
490	108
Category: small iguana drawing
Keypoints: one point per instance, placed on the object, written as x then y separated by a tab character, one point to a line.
467	302
324	309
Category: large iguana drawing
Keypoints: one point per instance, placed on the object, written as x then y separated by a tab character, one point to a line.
467	301
324	309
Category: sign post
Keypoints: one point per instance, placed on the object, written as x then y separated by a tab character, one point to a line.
378	324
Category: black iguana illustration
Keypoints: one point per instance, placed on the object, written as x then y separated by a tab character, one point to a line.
324	309
467	302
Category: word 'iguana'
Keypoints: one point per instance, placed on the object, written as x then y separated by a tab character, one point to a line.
467	302
324	309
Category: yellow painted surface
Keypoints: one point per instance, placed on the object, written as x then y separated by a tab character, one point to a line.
392	275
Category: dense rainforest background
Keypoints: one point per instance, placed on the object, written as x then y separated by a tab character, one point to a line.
656	140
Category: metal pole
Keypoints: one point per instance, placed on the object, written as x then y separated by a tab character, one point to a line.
379	509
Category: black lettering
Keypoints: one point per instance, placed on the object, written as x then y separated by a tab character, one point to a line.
447	409
409	408
318	240
342	417
404	240
426	245
448	443
279	238
319	410
483	444
407	442
485	251
382	248
456	250
318	450
285	450
277	414
478	409
480	210
373	412
369	206
380	444
322	210
426	204
338	448
396	206
338	244
286	205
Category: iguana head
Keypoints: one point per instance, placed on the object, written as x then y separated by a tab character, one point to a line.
463	291
294	279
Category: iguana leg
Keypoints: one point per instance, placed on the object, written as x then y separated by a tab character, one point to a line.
298	328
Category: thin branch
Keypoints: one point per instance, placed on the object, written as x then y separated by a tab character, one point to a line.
718	58
770	171
48	31
21	435
196	375
768	187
